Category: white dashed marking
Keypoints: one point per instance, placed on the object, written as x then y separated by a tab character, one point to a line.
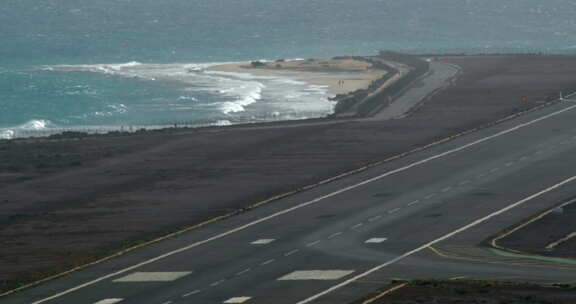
414	202
373	219
110	301
335	235
237	300
446	189
495	170
357	226
481	175
153	277
267	262
429	196
197	291
243	271
508	164
289	253
167	302
523	158
316	275
263	242
464	182
217	283
312	244
394	210
376	240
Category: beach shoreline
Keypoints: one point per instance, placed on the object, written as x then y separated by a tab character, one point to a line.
337	75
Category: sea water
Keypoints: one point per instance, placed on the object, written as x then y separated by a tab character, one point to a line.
108	64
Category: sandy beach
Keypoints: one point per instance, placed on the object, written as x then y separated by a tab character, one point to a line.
339	76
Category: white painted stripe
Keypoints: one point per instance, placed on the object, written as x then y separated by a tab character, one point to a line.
508	164
322	275
289	253
375	218
394	210
429	196
263	242
376	240
245	271
440	239
305	204
110	301
464	182
217	283
357	226
152	277
414	202
312	244
267	262
495	170
446	189
523	158
197	291
335	235
237	300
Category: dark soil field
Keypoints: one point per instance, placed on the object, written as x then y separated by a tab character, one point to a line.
68	201
436	292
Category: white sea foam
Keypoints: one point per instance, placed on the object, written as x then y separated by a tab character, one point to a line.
237	90
35	125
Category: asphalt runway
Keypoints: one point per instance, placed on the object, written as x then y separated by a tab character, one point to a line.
419	216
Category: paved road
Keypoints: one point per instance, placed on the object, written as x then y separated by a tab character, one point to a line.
440	77
419	216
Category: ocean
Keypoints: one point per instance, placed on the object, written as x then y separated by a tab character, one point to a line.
119	64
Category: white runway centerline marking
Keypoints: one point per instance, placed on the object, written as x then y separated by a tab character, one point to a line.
303	205
464	182
263	242
217	283
152	277
312	244
375	218
322	275
376	240
289	253
245	271
335	235
237	300
197	291
267	262
357	226
110	301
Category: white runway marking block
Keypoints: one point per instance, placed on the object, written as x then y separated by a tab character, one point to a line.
109	301
376	240
316	275
263	242
152	277
237	300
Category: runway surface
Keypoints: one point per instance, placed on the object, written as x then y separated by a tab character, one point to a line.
419	216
